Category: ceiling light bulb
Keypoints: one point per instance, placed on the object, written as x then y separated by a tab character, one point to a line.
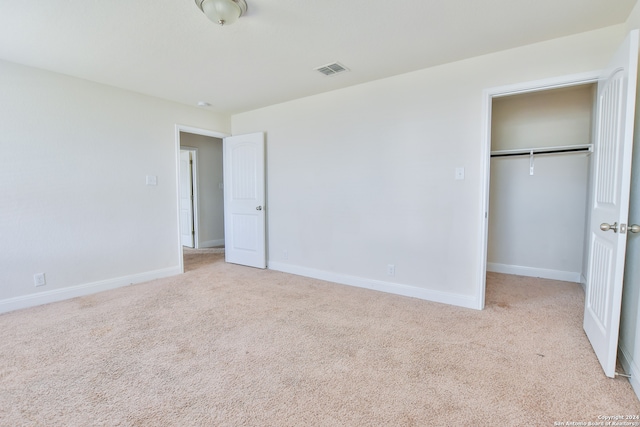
223	11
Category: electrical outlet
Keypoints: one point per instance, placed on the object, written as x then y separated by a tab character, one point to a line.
285	254
39	279
459	173
391	270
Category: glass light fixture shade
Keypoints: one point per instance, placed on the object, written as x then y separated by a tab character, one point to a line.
223	12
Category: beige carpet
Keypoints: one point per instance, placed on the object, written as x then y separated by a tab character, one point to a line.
224	345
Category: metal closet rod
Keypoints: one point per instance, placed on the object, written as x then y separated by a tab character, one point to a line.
544	150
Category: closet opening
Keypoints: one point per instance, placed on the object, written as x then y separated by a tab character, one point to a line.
539	182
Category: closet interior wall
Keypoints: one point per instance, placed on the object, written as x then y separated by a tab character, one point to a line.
537	222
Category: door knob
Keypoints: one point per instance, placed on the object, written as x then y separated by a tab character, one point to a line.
635	228
259	208
606	227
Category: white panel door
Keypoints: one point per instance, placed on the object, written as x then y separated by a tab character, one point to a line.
609	212
186	199
244	200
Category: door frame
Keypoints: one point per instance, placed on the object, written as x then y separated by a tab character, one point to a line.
194	191
485	154
197	131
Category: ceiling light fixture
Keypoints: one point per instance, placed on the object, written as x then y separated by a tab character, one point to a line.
223	11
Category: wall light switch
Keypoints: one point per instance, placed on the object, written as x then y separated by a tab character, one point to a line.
459	173
152	180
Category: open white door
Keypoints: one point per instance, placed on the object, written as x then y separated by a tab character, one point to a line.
244	200
613	147
186	199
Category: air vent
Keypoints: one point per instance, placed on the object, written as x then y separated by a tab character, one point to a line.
331	69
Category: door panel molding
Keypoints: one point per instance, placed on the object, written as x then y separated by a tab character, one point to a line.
613	148
244	200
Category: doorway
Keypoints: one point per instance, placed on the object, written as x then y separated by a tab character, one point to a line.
489	96
205	150
539	181
208	194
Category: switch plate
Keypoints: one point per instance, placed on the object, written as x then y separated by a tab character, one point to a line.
152	180
39	279
459	173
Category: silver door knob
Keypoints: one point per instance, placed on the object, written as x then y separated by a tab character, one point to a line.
635	228
606	227
259	208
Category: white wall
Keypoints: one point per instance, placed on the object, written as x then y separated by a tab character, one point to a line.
364	177
210	195
537	222
75	206
543	119
633	21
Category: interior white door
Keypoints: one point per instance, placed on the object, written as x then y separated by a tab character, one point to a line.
244	200
610	201
186	199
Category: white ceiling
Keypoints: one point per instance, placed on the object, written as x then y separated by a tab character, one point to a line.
169	49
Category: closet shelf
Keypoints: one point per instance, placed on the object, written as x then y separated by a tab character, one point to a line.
544	150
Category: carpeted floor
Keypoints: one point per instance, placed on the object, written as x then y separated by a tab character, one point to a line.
224	345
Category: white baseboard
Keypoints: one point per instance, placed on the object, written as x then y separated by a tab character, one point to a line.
630	368
378	285
583	282
210	243
565	276
32	300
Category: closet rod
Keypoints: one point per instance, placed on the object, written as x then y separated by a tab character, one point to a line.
538	151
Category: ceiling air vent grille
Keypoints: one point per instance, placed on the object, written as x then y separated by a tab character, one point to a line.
332	69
